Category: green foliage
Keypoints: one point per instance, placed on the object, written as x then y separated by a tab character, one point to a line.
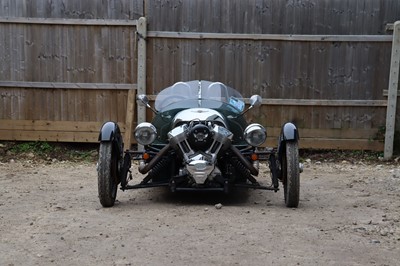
380	134
38	147
41	150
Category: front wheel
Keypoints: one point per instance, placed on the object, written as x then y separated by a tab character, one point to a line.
291	174
107	174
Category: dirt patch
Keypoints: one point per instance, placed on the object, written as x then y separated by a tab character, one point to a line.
348	215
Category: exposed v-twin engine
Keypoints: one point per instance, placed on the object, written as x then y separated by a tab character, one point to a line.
199	143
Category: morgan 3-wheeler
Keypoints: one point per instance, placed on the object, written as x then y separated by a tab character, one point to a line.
198	140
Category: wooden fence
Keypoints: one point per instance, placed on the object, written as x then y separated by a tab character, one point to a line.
321	64
69	66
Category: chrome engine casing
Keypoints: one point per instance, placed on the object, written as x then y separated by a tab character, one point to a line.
200	114
199	142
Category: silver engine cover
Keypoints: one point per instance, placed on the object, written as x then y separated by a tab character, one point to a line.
200	170
200	164
200	114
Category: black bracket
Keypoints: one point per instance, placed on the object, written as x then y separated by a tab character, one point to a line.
140	36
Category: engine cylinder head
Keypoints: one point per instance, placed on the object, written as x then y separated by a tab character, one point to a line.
200	137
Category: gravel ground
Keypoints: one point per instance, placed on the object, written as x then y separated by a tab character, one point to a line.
348	215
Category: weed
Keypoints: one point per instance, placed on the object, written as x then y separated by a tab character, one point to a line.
380	134
41	150
82	155
38	148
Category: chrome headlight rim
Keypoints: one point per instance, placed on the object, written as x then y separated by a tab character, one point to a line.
145	133
255	134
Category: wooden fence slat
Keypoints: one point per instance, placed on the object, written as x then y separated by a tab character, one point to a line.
341	144
70	131
42	125
269	37
59	136
69	21
141	70
65	85
392	92
40	130
312	102
130	109
348	133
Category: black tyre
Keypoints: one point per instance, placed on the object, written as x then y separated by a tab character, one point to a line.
291	174
107	174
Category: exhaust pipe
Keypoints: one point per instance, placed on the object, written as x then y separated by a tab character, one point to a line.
144	168
252	169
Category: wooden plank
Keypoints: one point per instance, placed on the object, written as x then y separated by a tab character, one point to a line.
130	109
61	131
92	136
392	95
65	85
59	54
121	98
73	22
57	103
350	144
111	102
5	56
328	133
337	144
141	76
386	93
312	102
269	37
43	125
389	27
52	136
309	138
98	60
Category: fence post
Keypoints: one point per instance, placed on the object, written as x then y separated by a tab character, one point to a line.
392	92
130	107
141	75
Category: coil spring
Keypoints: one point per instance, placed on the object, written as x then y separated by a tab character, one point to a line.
245	172
159	167
242	169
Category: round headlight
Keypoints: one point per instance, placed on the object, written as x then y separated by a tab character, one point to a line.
145	133
255	134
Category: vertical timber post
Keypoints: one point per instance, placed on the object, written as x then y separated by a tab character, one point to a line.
141	75
130	107
392	92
